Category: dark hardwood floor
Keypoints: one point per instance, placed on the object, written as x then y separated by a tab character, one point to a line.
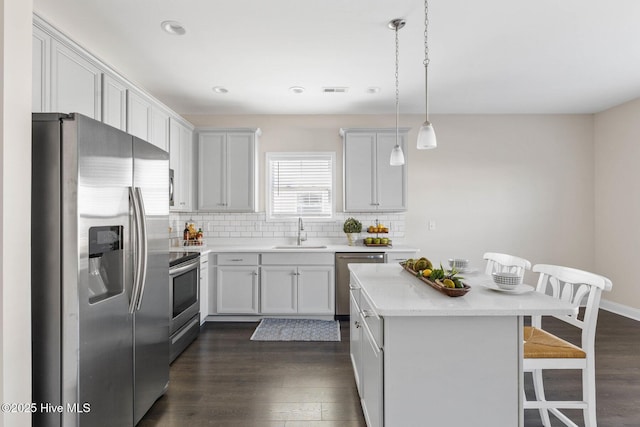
224	379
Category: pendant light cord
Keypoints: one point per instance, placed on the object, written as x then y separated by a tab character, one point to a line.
426	58
397	85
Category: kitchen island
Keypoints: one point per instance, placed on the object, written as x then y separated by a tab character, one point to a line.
423	358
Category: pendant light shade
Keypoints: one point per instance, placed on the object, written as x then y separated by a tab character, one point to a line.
426	135
397	156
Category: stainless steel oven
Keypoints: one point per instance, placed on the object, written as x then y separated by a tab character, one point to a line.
184	301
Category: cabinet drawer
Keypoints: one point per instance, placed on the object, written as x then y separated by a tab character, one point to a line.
372	320
275	258
238	259
396	257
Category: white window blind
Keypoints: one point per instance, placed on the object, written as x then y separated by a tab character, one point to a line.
300	185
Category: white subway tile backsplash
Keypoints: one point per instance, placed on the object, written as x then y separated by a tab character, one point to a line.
254	225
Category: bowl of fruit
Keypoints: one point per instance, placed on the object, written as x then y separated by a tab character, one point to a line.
446	281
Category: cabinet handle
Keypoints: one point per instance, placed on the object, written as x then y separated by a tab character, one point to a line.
353	288
367	313
236	259
255	273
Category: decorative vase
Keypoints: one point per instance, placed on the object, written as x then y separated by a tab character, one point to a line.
352	238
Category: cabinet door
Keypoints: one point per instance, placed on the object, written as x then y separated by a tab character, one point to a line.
359	172
181	161
186	168
372	380
41	71
114	102
316	290
237	290
240	172
204	287
159	128
355	331
212	169
391	180
278	290
75	83
138	115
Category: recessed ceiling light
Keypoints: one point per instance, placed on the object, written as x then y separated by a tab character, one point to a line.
173	27
373	89
296	89
220	89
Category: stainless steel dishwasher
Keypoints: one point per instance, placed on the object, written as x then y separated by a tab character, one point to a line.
342	276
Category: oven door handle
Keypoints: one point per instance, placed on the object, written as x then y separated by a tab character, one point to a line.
144	247
179	270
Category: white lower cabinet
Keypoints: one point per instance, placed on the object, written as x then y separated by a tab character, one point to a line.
297	290
316	290
372	379
367	357
237	289
204	287
279	290
355	331
294	283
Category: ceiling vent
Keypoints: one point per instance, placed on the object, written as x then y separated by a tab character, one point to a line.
335	89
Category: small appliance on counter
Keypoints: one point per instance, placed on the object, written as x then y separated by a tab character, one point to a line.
184	301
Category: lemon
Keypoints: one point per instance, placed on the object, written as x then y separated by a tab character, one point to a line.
426	273
448	283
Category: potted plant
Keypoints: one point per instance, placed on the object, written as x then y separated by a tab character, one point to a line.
352	227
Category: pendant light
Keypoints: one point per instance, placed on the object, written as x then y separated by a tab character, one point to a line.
426	134
397	156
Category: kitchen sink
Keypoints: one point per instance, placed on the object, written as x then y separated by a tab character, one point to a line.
300	247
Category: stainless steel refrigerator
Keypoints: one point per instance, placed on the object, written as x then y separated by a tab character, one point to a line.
100	273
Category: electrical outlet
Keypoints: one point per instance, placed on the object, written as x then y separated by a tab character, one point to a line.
432	225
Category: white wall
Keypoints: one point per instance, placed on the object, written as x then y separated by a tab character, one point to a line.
617	200
15	187
521	184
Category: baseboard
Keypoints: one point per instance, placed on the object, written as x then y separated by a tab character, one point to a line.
622	310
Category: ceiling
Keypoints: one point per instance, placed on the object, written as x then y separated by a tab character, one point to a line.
491	56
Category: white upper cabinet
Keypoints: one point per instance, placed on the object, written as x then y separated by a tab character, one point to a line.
227	170
75	82
67	79
159	128
371	184
41	70
181	161
114	102
138	115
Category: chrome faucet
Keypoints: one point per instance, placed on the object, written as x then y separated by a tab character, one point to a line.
300	230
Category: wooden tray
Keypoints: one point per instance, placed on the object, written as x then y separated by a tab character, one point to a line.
452	292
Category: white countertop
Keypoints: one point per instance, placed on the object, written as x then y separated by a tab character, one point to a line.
271	247
394	291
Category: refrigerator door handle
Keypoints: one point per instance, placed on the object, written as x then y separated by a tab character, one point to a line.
144	244
136	248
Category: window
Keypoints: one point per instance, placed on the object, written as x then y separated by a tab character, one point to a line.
300	185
